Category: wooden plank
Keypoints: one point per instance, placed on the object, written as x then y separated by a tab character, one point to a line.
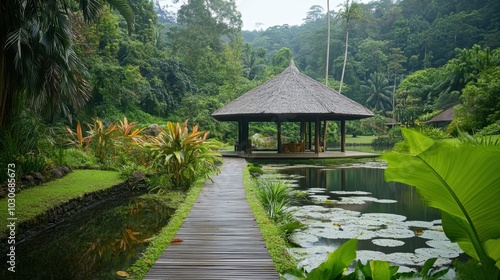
221	239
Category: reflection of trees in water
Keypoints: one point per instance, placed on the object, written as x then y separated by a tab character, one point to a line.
367	180
95	245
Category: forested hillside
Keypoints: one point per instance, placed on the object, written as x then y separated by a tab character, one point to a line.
406	59
426	52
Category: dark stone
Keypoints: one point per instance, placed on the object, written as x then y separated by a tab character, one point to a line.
66	169
29	178
152	130
137	176
38	176
58	172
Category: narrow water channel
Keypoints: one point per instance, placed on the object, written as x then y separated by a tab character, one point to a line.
94	243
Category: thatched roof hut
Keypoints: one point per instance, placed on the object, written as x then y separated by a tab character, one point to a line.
444	117
291	97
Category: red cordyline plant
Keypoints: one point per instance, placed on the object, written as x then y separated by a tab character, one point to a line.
185	156
78	139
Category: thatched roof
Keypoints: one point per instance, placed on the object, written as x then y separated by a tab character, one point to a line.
446	116
292	96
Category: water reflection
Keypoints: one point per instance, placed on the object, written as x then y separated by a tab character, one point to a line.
389	219
369	180
94	244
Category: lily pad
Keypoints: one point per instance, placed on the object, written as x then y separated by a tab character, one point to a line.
355	200
395	233
405	258
385	217
367	255
316	190
444	245
433	253
434	235
419	224
319	198
385	201
302	239
388	242
351	193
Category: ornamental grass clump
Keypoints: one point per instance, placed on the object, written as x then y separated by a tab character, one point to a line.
274	195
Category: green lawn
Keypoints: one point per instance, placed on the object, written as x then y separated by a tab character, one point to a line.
359	140
36	200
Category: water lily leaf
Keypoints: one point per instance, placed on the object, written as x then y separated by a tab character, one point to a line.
385	201
388	242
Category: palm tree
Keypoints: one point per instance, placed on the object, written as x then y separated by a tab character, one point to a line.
38	65
348	12
379	92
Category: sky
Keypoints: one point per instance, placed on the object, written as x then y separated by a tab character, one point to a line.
261	14
278	12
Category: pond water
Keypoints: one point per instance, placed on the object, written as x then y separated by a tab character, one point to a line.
93	244
353	201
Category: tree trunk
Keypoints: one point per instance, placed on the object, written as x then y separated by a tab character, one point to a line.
327	41
394	94
327	61
345	57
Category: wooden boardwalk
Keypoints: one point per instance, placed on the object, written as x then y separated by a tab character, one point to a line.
221	238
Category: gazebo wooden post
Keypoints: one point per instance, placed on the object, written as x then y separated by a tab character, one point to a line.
279	135
302	135
342	136
325	128
317	128
239	141
245	147
309	130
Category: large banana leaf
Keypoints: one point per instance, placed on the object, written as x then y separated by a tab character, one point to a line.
463	181
336	263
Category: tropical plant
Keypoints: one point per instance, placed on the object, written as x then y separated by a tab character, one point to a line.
378	90
101	139
78	139
337	262
462	181
274	195
185	156
19	144
426	272
374	269
38	64
333	268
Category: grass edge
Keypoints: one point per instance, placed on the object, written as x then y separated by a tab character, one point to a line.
275	243
161	241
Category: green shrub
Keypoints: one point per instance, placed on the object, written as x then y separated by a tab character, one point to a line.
255	170
75	158
492	129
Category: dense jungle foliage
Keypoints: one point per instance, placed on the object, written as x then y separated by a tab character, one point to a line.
66	61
